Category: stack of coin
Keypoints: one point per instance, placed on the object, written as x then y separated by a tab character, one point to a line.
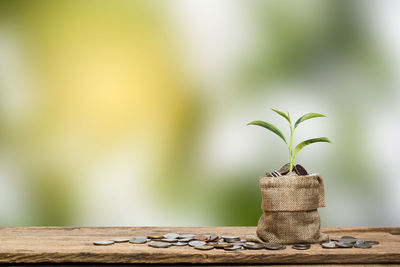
274	174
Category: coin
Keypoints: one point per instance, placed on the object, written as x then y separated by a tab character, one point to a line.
348	239
204	247
359	241
234	247
171	236
170	240
196	243
253	238
214	237
253	245
284	169
223	245
344	245
233	238
138	240
362	245
300	170
185	240
179	243
103	242
155	236
202	237
120	240
276	174
186	236
158	244
238	243
301	246
272	246
372	242
330	244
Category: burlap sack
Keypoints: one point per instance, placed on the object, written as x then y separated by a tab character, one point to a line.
289	205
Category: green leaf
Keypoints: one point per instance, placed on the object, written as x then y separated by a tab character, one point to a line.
308	142
270	127
283	114
307	117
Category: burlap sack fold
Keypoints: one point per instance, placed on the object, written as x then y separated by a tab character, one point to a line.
289	205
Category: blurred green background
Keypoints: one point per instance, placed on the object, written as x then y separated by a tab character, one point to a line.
134	112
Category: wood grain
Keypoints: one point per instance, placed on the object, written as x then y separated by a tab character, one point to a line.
74	245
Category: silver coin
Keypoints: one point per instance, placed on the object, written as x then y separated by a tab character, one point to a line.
158	244
103	242
170	240
196	243
271	246
362	245
185	240
348	239
155	236
203	247
231	239
253	245
120	240
238	243
344	245
330	244
372	242
234	247
301	246
138	240
141	237
359	241
186	236
180	244
171	236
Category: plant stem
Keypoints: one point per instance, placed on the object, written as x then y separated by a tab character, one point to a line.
291	147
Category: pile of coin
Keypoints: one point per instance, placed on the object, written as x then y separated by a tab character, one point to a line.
228	243
349	242
298	169
200	242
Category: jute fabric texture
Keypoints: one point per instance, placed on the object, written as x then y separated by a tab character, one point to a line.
289	205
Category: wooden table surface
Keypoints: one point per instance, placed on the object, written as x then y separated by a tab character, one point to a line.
75	245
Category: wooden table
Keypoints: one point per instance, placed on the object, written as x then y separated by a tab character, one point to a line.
74	245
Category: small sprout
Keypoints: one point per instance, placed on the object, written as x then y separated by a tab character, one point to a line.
274	129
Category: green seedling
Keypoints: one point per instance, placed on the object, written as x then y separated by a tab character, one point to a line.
292	152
